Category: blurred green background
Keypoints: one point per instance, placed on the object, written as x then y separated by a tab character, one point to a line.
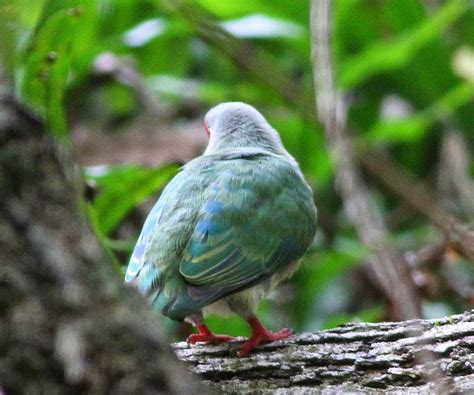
125	84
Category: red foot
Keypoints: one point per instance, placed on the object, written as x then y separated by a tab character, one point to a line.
261	335
206	336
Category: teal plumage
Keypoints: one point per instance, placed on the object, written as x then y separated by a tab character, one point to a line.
237	217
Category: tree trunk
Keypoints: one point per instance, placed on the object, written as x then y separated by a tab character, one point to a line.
67	324
352	358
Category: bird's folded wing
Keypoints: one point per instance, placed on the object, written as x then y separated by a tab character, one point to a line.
244	232
160	233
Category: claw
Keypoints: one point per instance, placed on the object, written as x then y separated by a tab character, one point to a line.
207	337
261	335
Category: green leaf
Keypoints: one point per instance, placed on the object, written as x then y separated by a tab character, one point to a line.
125	246
383	56
231	325
102	239
234	325
458	96
414	127
123	188
47	64
347	254
277	8
325	267
401	130
17	18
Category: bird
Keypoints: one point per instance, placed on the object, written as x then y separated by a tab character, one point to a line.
231	225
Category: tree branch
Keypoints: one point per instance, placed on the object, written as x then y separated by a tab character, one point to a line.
360	358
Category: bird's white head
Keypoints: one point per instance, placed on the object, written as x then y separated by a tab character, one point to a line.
239	125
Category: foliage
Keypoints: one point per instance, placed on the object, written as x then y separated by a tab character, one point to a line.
409	68
121	189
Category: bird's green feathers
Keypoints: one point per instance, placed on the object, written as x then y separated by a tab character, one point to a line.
224	223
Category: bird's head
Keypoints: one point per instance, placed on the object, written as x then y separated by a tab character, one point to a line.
239	125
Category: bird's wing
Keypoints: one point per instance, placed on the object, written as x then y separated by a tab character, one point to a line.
165	232
257	217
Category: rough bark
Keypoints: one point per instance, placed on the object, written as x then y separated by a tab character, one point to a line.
67	324
352	358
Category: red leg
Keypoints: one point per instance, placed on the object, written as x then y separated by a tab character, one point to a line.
206	336
261	335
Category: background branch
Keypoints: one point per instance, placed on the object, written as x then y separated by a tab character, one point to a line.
454	174
246	56
390	270
404	185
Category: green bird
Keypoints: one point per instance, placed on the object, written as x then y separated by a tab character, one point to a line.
229	227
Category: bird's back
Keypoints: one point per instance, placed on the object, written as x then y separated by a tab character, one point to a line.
226	222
